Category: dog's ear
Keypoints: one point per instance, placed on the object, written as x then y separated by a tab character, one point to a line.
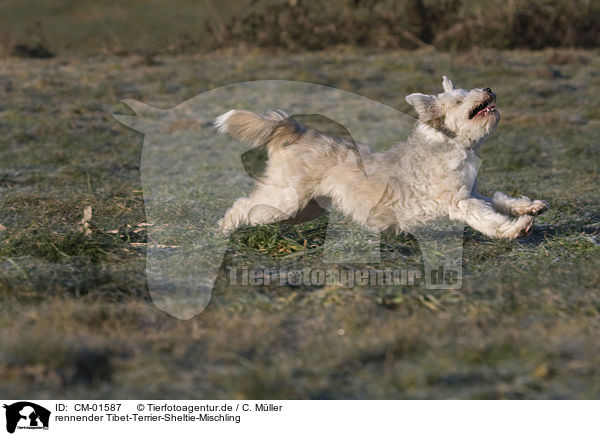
427	106
447	84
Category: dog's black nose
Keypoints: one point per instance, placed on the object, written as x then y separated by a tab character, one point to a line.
488	90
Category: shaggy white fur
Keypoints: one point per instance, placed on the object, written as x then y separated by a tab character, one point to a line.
432	175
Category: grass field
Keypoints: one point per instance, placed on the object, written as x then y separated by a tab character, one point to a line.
76	319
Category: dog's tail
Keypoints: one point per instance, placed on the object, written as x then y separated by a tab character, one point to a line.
275	128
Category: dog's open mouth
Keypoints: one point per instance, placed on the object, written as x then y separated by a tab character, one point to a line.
486	107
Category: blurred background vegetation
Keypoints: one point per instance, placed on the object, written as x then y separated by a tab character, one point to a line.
188	26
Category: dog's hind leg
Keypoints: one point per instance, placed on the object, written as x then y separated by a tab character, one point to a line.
266	205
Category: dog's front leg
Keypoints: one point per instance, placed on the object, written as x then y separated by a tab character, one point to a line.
482	216
512	206
518	206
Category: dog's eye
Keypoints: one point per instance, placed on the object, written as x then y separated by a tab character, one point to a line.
458	101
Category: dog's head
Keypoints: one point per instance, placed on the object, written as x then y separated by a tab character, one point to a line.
465	115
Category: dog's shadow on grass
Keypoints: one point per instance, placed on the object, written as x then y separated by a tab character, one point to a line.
543	233
310	234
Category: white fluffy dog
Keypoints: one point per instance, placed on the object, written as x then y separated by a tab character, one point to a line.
432	175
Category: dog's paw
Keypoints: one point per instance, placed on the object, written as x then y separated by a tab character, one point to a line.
526	230
537	207
226	227
524	206
520	228
524	226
